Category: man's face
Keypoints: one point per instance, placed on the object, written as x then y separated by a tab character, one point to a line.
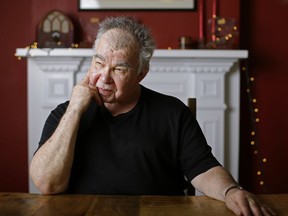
114	67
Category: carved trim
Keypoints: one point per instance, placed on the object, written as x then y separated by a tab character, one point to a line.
174	65
58	64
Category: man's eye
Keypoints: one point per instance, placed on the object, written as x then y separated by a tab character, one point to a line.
120	70
98	64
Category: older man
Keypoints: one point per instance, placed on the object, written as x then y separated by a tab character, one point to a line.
114	136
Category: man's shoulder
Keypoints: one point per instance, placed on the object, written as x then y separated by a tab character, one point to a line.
163	104
62	106
161	98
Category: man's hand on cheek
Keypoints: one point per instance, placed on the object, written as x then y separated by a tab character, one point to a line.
92	78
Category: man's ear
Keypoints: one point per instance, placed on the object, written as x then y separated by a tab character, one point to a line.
142	74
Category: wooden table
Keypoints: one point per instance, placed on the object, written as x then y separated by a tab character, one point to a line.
32	204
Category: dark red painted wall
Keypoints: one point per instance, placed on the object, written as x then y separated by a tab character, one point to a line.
19	20
15	31
265	34
167	26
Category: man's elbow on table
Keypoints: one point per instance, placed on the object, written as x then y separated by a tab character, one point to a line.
46	186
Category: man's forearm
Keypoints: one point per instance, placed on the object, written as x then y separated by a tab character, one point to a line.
51	165
214	182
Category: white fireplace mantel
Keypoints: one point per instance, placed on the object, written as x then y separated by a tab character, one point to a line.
211	76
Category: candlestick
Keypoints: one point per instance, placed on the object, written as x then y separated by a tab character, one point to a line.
201	11
214	19
214	8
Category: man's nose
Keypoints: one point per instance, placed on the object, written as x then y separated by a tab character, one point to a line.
106	75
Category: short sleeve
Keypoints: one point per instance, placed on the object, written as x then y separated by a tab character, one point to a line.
195	154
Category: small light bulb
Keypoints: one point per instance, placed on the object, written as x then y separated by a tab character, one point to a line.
264	160
259	173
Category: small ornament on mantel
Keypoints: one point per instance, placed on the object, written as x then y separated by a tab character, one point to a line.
185	42
55	30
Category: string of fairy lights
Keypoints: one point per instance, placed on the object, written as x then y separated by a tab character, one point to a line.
254	120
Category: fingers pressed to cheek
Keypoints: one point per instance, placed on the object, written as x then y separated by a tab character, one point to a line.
93	78
85	80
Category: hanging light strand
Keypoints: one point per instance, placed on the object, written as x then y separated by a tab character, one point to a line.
254	120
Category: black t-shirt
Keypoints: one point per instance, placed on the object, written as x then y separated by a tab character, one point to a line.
147	150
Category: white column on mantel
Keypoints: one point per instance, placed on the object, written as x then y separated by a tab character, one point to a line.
212	76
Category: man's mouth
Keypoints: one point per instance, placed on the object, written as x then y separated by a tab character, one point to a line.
105	92
105	89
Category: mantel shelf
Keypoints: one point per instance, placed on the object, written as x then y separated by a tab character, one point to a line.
175	53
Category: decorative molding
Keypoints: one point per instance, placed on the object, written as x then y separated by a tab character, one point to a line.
57	90
189	66
59	64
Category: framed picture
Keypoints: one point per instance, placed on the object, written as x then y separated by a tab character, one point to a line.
137	4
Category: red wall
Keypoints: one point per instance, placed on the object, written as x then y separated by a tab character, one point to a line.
167	26
265	34
15	32
19	20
